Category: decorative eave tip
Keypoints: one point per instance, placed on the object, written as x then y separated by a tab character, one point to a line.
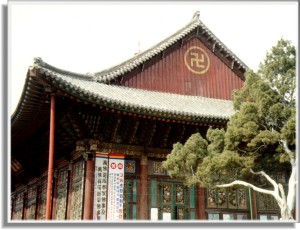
196	15
38	61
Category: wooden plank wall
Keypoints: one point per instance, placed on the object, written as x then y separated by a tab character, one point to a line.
170	74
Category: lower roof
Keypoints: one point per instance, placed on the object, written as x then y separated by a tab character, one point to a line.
153	103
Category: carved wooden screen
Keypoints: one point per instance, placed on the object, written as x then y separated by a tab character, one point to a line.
227	198
61	201
31	201
77	191
266	202
43	196
173	200
130	191
130	199
18	205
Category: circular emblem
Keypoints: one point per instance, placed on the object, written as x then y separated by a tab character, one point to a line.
196	60
113	165
120	166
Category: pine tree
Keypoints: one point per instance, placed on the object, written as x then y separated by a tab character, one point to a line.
260	138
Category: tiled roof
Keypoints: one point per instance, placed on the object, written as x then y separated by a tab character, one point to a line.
152	103
115	71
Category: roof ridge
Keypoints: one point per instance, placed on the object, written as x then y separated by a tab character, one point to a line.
187	28
110	73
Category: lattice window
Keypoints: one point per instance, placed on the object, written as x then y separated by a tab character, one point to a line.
62	181
167	209
61	205
30	212
180	213
19	206
128	191
222	199
166	190
266	202
230	198
130	166
211	198
77	191
77	202
157	168
242	198
179	194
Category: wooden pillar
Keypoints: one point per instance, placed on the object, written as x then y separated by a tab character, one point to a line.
143	189
89	189
201	203
51	159
254	205
69	190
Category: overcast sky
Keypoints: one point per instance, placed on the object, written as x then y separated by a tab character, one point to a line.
89	37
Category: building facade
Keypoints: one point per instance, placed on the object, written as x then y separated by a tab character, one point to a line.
110	132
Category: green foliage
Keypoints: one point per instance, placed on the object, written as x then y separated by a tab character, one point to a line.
184	159
264	117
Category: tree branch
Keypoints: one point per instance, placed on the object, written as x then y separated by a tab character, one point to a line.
282	193
273	182
257	189
192	171
288	151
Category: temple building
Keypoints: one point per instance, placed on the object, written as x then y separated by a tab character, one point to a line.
91	146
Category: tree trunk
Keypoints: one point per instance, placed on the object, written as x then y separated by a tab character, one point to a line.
286	214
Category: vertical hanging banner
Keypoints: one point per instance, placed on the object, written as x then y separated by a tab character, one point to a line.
115	186
100	186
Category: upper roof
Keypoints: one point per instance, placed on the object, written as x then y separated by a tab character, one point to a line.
195	24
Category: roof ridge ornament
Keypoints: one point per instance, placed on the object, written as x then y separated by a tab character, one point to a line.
38	61
196	15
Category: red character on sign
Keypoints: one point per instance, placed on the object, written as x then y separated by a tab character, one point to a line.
120	166
113	165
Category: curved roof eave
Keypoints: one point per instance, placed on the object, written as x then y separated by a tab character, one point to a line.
153	103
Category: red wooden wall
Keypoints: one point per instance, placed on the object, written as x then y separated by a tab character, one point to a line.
170	74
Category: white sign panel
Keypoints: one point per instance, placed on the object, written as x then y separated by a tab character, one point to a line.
116	167
154	213
167	216
100	186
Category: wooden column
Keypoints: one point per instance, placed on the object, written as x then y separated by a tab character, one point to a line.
51	159
143	189
89	189
201	203
254	205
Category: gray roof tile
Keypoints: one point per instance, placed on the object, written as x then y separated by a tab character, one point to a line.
136	99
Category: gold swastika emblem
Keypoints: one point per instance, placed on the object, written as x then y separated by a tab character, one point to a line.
196	60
